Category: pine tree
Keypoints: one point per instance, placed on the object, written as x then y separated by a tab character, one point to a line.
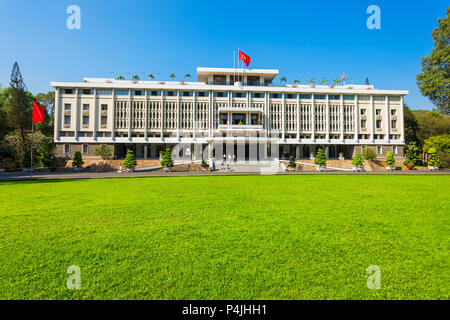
321	158
130	160
77	160
166	159
390	160
357	160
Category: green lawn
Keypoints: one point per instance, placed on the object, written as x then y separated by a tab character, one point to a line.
227	237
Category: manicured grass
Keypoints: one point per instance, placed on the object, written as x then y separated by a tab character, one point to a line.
226	237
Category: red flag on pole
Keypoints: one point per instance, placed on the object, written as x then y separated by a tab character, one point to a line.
244	57
38	112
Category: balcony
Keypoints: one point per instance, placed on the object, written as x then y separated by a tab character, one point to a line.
241	127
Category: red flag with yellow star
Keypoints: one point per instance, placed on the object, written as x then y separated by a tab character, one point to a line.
244	57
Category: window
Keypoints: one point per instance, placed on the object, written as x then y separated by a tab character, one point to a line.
104	107
378	124
87	91
186	93
393	112
67	107
67	148
170	93
122	92
202	93
363	112
154	93
103	120
393	124
223	118
394	149
349	98
378	112
363	124
254	119
138	93
220	94
291	96
379	149
394	99
319	96
305	96
333	97
68	91
85	120
257	95
85	107
239	94
379	98
364	98
67	120
104	92
85	148
275	95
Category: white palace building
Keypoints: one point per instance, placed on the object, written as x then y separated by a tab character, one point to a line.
227	109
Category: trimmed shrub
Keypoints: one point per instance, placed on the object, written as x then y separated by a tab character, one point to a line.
412	154
166	159
390	160
204	164
9	164
130	160
321	158
77	160
368	153
433	158
292	163
357	160
104	152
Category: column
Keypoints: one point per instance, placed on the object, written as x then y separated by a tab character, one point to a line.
129	115
178	115
145	151
372	119
298	118
77	114
95	117
342	117
313	118
327	120
283	130
146	120
57	118
356	119
387	119
162	114
401	125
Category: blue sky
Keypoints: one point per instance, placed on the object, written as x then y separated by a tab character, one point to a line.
303	39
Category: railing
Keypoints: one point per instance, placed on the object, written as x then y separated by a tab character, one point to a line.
231	83
240	127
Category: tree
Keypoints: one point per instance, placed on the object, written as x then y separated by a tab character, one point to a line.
151	76
47	100
357	160
369	153
434	81
292	163
412	154
166	159
431	123
311	80
26	161
433	158
172	76
411	125
296	81
104	151
321	158
439	142
18	103
283	79
136	77
46	155
390	160
187	76
130	160
323	81
120	78
77	160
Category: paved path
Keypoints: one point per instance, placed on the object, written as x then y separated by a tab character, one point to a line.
11	176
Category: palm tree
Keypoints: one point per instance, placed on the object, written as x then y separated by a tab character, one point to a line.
135	77
283	79
336	81
296	81
120	78
323	81
151	76
187	76
172	76
312	80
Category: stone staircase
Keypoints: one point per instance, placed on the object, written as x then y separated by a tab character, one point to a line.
262	167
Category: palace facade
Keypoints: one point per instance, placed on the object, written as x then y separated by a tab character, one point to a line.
226	107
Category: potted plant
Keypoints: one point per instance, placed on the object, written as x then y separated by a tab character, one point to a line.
77	161
412	155
341	156
357	162
390	161
320	160
130	161
433	160
166	160
292	165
